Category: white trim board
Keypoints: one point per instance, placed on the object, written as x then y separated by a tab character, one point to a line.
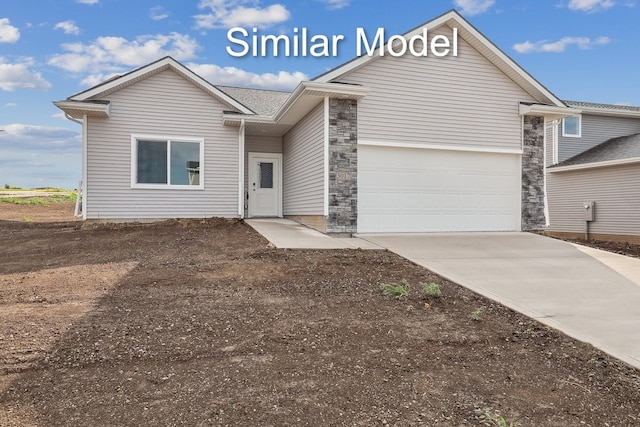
441	147
594	165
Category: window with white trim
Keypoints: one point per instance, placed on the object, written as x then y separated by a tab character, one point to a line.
572	126
166	162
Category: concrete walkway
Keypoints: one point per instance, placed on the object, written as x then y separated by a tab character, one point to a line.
589	294
287	234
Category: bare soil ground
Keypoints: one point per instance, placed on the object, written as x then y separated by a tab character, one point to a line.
202	323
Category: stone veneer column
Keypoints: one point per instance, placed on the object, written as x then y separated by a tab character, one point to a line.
343	166
533	212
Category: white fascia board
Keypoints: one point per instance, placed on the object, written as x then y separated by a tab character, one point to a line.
471	148
321	89
78	109
549	111
159	65
594	165
612	112
235	119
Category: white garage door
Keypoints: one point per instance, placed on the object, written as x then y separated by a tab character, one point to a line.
424	190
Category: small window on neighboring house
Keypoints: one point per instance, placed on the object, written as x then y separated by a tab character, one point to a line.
572	127
160	162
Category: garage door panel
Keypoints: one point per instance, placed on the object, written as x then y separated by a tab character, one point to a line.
422	190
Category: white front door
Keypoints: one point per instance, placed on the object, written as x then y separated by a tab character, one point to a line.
264	186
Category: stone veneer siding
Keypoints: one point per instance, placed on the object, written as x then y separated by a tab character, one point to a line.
533	212
343	166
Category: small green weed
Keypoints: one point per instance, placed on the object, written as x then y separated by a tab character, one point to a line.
312	266
431	289
486	418
477	314
396	290
26	219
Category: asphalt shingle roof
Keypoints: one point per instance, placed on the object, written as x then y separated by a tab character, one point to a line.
260	101
594	105
623	147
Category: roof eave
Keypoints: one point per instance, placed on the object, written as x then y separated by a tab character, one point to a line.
611	112
592	165
234	119
551	112
79	109
319	90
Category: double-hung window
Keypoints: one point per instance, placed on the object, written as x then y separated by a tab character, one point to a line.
166	162
572	127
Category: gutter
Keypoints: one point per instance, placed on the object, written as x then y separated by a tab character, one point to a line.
548	111
591	165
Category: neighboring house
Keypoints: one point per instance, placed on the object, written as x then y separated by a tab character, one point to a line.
379	144
596	159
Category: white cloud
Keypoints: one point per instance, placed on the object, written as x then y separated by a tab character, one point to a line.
19	76
231	76
473	7
561	45
157	13
233	13
10	104
96	79
8	33
106	56
88	1
590	6
33	136
69	27
37	156
335	4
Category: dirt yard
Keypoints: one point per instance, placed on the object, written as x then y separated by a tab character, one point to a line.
202	323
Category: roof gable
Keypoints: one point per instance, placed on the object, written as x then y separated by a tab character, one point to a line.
117	83
478	41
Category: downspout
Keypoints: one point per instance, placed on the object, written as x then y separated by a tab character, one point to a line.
85	156
547	221
326	157
241	192
84	160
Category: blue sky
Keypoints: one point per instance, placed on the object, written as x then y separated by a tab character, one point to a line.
586	50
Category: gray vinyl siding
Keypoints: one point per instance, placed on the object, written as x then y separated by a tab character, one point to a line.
548	142
258	144
595	130
303	158
165	105
463	100
615	190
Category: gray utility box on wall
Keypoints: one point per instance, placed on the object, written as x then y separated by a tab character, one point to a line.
588	210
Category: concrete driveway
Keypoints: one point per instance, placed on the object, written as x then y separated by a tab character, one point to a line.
552	281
